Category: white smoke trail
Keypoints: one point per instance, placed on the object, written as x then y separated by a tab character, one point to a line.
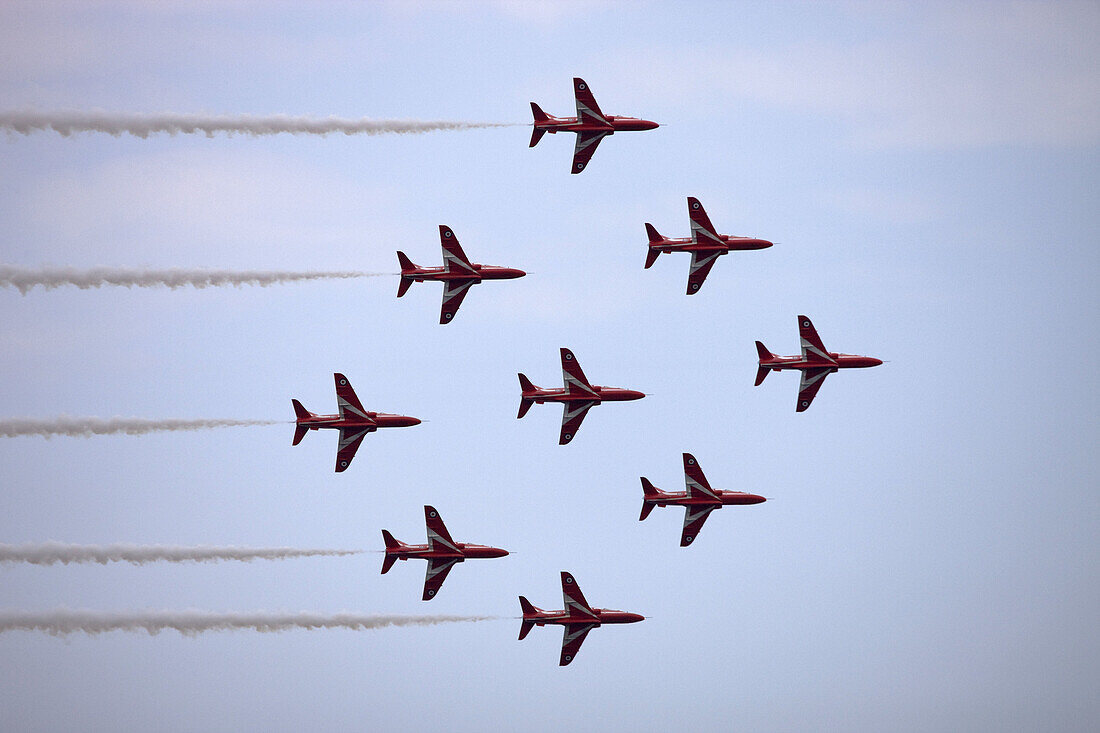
143	125
85	427
26	278
51	553
192	622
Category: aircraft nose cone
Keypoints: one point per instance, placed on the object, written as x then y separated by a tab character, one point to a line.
634	394
757	499
633	618
516	273
764	244
497	552
410	421
874	362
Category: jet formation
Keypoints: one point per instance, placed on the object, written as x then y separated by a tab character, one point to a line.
578	396
578	618
815	363
590	124
457	274
441	552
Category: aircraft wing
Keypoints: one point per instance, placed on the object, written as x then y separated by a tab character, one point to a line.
812	348
812	380
438	567
571	418
701	262
702	231
348	403
439	539
572	640
573	377
454	259
350	438
694	516
587	142
453	293
588	111
697	485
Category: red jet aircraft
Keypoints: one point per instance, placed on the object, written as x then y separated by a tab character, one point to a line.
578	618
815	363
699	500
705	245
577	396
457	274
441	552
353	422
590	124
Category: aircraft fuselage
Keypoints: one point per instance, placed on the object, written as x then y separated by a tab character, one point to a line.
839	361
602	616
378	420
467	550
484	272
617	123
686	244
602	394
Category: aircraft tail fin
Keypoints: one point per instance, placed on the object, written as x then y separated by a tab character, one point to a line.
528	610
387	562
538	132
650	494
654	236
406	281
525	401
391	543
300	413
765	355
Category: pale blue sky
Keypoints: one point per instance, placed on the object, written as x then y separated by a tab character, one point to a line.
929	558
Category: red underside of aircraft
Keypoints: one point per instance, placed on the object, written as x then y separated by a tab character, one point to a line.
577	396
457	274
699	500
353	422
441	552
578	618
815	363
704	244
590	124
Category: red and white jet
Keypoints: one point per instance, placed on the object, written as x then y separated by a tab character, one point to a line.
705	245
699	500
577	397
353	422
590	124
457	274
815	363
441	552
578	618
